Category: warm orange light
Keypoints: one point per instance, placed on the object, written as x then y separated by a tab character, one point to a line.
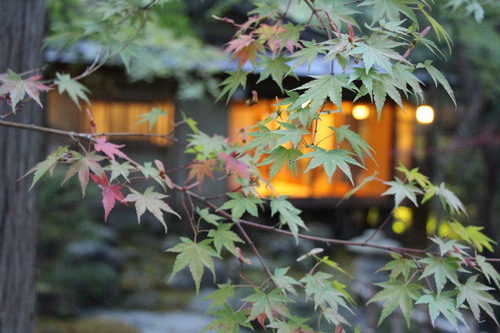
360	112
425	114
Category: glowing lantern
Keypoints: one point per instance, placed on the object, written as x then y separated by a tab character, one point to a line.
360	112
425	114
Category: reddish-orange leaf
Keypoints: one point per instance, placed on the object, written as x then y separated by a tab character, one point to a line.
200	169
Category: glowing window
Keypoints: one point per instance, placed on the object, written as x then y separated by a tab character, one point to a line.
314	184
122	117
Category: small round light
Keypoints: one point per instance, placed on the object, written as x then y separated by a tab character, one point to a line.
360	112
425	114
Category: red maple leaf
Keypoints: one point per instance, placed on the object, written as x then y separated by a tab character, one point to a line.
234	165
108	148
110	193
16	88
244	48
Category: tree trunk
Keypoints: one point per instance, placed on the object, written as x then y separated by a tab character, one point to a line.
21	33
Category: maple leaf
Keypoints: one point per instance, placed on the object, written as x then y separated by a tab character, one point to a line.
473	235
284	281
110	193
378	51
395	293
200	169
270	305
277	157
415	175
289	215
442	268
221	295
151	116
14	86
46	165
401	190
489	272
228	321
477	296
232	82
239	204
108	148
210	218
244	48
321	87
75	89
331	159
196	256
399	266
119	169
276	68
357	143
447	198
443	303
151	201
83	165
233	165
225	238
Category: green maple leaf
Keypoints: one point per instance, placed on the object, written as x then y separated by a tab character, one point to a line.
450	246
151	201
149	171
414	175
330	160
395	293
321	87
225	238
210	218
220	296
391	9
264	138
477	296
82	165
308	53
442	268
399	266
444	304
438	77
239	204
228	321
75	89
384	85
357	143
279	156
276	68
290	132
46	165
489	272
232	82
319	286
289	215
403	74
207	145
120	169
378	50
196	256
151	116
284	281
473	235
401	190
293	325
447	198
271	304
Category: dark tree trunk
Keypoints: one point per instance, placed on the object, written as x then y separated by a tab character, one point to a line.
21	33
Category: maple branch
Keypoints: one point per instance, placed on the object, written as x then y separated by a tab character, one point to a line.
88	136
